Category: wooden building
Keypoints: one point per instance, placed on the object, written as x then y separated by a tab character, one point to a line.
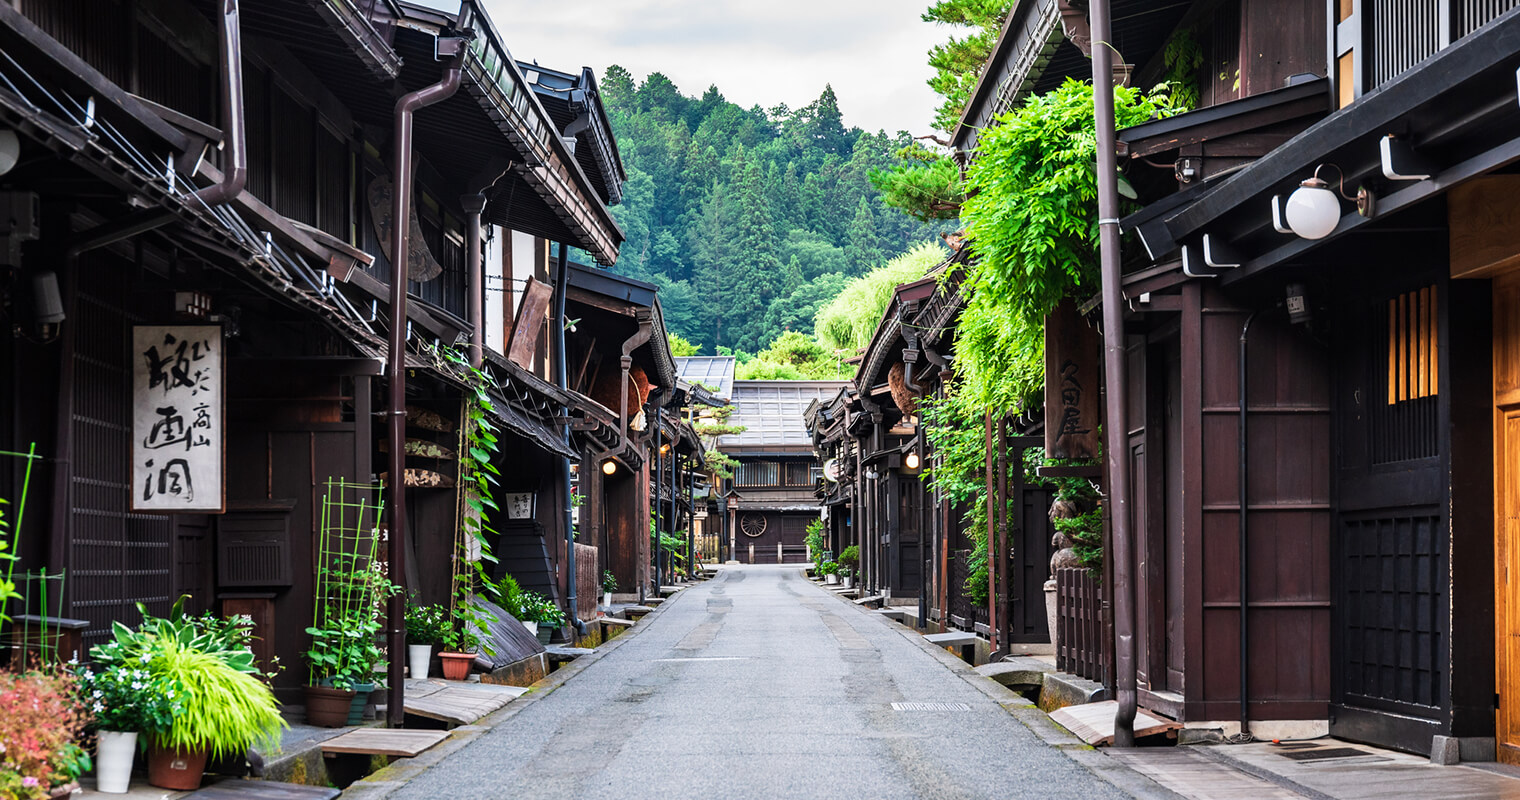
127	215
771	498
1320	439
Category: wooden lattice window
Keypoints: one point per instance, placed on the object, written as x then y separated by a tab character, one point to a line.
758	473
1412	351
1402	420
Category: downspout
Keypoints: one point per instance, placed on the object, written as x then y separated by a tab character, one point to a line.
1116	426
639	337
675	459
474	205
401	200
234	132
942	540
562	374
1245	646
659	508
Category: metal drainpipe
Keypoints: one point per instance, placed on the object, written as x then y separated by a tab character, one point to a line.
473	205
234	134
659	508
675	458
401	199
1245	646
562	375
1117	423
691	520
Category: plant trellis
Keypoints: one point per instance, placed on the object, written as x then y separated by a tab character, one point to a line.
349	573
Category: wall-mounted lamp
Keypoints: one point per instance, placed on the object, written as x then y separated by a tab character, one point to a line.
911	461
1313	210
10	150
609	467
665	449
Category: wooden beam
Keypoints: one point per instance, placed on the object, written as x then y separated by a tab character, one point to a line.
1484	217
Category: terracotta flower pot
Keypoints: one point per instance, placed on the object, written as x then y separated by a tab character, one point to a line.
456	666
327	707
176	768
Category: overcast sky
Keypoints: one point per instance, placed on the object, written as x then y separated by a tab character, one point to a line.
757	51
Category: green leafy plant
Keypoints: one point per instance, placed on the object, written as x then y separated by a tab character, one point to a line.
849	557
827	568
425	624
540	609
223	710
226	639
129	698
41	716
609	581
813	538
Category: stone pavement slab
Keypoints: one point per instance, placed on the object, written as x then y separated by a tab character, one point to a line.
1371	774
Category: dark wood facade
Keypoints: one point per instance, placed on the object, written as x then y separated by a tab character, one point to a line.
293	270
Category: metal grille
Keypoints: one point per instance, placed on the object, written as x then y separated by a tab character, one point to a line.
1393	600
1469	15
116	558
932	706
1404	33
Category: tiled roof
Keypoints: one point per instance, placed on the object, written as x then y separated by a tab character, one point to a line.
714	372
773	412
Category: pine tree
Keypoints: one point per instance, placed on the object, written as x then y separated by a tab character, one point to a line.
864	247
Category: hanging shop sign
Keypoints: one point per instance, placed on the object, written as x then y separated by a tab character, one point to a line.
177	415
1073	376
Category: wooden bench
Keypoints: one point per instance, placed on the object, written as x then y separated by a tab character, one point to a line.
616	622
667	591
874	599
847	592
965	641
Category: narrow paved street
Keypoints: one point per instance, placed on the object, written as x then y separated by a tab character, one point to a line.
758	684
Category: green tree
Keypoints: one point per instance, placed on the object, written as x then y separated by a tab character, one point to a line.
863	249
958	61
680	347
794	356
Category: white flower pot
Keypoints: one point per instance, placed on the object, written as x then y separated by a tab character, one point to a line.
532	628
831	580
607	599
418	656
113	761
849	583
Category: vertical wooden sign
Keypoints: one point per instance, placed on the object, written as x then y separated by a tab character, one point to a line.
1073	375
177	418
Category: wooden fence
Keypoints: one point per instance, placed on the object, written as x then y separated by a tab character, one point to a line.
1082	646
588	581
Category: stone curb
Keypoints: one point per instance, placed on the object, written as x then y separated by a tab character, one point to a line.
1118	775
386	781
1220	753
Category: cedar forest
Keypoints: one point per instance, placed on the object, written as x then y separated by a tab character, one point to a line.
748	219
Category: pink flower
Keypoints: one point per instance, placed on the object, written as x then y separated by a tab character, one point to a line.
29	781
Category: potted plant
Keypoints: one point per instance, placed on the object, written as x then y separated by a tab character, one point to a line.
848	559
544	613
609	585
126	702
342	658
461	640
830	572
425	628
223	706
40	717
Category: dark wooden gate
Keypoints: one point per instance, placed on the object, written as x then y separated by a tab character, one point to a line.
1082	646
1393	615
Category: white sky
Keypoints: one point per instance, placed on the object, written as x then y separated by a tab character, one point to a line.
758	51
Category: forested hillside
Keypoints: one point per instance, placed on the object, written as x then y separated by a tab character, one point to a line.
749	220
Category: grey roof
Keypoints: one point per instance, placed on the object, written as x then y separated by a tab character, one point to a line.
772	412
714	372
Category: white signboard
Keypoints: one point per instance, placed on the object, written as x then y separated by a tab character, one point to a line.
177	418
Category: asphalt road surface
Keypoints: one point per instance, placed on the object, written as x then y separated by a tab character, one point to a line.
757	684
